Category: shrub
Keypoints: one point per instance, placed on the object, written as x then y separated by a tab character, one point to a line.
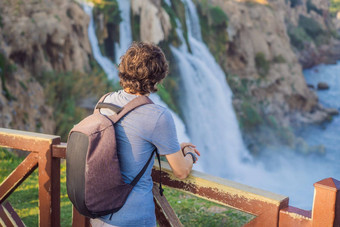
279	59
250	117
64	91
294	3
312	7
218	16
298	37
214	23
311	27
262	65
173	37
6	72
135	27
334	7
110	10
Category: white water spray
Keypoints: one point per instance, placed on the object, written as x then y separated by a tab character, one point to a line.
125	34
108	67
206	101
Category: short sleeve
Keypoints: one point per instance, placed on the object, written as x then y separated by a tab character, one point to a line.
164	136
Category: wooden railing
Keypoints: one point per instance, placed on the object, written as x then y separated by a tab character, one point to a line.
269	208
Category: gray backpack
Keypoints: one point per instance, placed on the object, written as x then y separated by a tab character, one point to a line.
93	178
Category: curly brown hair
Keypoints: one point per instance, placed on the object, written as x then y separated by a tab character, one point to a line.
142	67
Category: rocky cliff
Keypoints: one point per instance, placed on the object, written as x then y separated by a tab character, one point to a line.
267	63
261	45
257	49
35	37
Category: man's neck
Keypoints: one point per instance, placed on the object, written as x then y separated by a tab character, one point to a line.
127	90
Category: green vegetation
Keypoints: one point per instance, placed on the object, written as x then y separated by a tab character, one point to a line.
1	24
169	84
311	27
279	59
109	9
25	198
259	128
294	3
173	38
250	116
298	37
169	90
176	12
218	16
214	24
6	72
312	7
192	211
308	31
65	91
135	27
262	64
248	112
334	7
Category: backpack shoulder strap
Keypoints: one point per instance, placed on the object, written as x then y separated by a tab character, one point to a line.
96	109
133	104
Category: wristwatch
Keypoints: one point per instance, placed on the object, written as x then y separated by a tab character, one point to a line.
194	159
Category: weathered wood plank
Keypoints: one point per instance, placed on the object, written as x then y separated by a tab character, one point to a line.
59	150
49	180
79	220
4	219
13	215
26	141
26	167
166	217
265	205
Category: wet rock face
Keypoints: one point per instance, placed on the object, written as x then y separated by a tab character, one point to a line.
154	21
22	105
37	36
259	51
45	35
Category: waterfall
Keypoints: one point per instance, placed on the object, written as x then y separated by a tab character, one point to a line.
125	34
206	103
124	43
108	67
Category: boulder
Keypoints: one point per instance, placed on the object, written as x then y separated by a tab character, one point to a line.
332	111
323	86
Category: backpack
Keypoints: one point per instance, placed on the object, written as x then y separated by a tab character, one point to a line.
93	178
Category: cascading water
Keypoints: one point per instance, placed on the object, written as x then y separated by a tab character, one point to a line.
206	104
206	101
108	67
125	41
125	35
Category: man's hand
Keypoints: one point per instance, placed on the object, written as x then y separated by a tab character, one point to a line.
189	147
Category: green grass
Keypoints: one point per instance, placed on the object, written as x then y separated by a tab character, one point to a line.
25	198
191	210
194	211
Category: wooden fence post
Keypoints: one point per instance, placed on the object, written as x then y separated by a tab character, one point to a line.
326	207
79	220
49	186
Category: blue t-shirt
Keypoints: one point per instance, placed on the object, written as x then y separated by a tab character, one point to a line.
137	134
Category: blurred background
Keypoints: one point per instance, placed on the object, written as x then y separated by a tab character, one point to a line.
255	84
